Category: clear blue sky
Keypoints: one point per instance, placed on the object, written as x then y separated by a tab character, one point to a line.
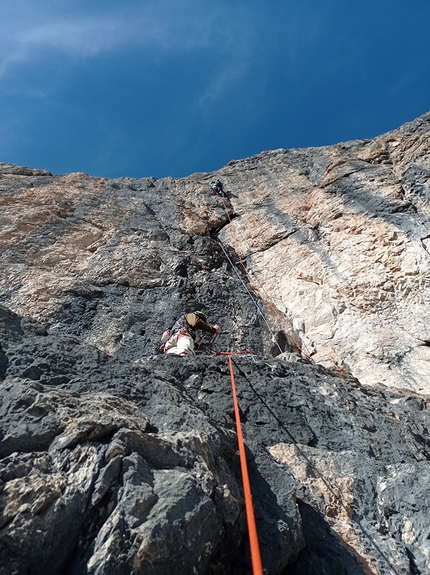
171	87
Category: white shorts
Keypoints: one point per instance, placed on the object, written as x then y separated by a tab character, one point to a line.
180	344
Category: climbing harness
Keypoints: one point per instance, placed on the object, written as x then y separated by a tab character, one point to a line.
257	568
184	326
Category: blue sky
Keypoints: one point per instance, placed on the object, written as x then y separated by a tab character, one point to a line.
171	87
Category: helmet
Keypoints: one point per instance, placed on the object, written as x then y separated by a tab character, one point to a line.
200	315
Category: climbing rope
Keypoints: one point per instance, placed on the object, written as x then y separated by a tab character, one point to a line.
257	568
242	353
260	311
259	290
329	482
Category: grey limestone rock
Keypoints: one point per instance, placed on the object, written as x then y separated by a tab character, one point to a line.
116	459
133	467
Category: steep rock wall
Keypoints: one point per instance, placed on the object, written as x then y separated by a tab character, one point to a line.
336	238
116	459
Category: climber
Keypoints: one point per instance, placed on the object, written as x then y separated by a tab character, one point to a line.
217	186
179	340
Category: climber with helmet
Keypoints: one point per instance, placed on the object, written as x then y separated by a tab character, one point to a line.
217	186
179	340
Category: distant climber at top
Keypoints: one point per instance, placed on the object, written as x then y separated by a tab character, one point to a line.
179	340
218	187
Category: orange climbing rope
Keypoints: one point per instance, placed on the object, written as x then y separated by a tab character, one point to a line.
257	568
241	352
258	289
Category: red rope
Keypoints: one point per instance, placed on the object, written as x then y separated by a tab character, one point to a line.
242	352
257	568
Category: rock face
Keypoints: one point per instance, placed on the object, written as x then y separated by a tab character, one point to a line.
338	237
116	459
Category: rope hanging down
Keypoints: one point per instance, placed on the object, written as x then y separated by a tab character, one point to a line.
259	289
260	311
257	567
